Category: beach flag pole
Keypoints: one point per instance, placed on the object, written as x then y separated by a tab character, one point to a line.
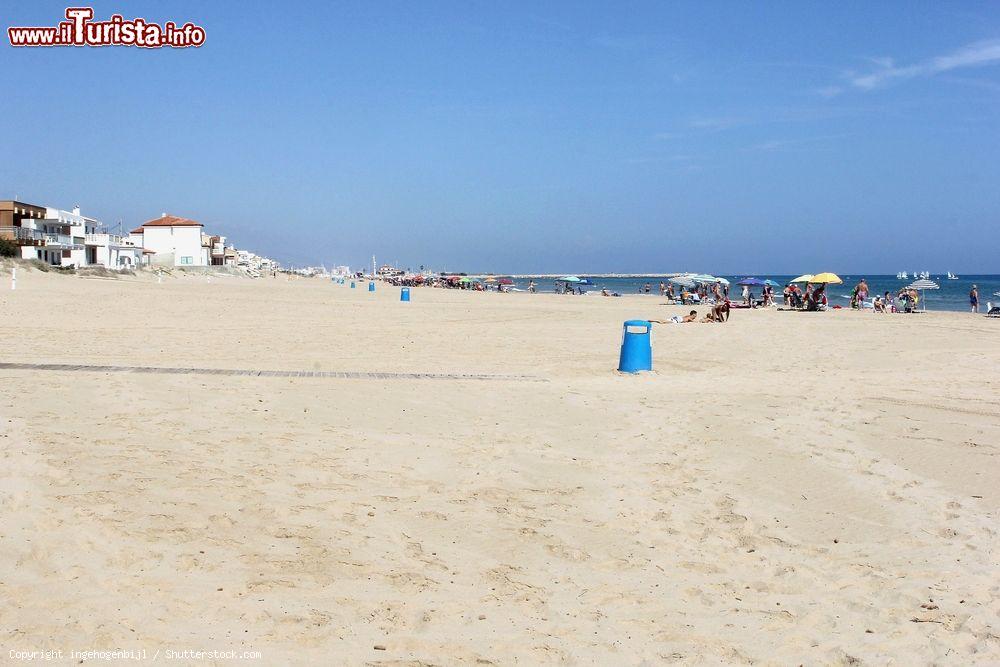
13	278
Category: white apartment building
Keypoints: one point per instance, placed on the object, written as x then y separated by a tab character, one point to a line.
61	234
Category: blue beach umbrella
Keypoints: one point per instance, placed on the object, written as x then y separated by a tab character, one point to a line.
751	282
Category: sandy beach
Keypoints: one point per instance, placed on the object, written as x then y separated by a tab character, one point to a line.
786	488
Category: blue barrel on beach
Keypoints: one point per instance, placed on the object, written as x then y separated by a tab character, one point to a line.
371	286
404	294
637	351
352	284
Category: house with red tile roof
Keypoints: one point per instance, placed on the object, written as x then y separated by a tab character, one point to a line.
175	241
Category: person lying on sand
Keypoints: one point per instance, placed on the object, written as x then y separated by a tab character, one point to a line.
677	319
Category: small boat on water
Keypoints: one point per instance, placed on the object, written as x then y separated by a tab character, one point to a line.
902	276
952	276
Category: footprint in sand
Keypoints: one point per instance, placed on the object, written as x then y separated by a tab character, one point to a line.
567	552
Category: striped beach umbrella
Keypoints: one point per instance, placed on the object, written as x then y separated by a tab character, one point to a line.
922	285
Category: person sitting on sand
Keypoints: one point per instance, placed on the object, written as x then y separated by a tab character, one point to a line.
719	312
816	298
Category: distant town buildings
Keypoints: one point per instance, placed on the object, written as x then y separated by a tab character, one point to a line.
69	238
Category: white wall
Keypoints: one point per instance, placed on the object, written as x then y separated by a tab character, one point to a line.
179	246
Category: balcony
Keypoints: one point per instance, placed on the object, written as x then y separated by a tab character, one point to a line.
23	235
62	241
112	240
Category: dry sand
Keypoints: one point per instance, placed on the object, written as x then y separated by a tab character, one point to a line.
787	488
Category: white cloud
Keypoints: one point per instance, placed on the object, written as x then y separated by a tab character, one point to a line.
972	55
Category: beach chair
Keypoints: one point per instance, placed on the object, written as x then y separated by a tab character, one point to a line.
993	312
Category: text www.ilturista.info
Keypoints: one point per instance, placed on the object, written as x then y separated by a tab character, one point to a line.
80	30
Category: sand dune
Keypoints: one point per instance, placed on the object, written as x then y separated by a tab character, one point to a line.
786	488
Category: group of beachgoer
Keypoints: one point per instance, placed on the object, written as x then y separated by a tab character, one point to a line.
699	293
812	298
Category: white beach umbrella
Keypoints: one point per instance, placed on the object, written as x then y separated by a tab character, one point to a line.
683	281
922	285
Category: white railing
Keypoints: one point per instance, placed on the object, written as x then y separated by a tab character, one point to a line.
109	240
62	240
21	233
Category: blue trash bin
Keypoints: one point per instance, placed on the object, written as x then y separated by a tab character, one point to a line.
352	284
637	351
371	286
404	294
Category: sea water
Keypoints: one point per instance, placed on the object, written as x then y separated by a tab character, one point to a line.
952	295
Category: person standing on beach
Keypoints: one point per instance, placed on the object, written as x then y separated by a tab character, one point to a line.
532	287
646	288
974	298
663	289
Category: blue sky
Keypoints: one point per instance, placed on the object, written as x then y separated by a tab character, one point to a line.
720	137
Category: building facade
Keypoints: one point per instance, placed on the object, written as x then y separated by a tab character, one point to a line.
174	241
18	225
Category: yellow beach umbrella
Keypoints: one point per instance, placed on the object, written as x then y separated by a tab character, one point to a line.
831	278
804	278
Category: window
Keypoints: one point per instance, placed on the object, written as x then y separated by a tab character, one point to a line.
187	260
